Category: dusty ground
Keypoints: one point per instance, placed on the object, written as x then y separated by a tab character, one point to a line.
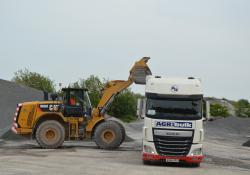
84	158
25	157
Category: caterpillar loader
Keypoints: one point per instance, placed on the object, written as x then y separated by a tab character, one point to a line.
72	117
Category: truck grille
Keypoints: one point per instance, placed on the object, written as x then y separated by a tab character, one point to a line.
172	146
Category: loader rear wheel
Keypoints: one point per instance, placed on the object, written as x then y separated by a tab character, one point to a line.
108	135
50	134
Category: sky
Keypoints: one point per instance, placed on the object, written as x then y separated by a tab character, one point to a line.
71	39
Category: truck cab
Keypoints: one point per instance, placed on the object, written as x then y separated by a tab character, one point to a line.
173	120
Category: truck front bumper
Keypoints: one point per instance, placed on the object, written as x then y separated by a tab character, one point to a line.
187	159
149	153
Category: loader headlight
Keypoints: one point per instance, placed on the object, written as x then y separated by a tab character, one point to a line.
148	149
197	152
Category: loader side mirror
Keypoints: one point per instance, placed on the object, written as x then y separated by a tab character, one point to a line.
54	96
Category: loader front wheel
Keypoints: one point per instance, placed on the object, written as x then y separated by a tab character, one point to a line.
123	132
108	135
50	134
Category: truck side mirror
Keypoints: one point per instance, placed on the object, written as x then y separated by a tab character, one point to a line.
141	107
206	110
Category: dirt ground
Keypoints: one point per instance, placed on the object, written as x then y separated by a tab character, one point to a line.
26	158
224	155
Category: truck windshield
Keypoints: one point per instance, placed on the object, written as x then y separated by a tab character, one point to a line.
175	109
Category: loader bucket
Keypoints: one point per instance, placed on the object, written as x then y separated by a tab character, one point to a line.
140	70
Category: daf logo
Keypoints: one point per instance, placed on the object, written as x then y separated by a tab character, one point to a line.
174	88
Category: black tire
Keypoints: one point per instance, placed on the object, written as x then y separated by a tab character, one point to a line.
146	162
123	131
108	135
195	165
50	134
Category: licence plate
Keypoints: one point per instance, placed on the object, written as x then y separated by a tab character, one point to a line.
172	160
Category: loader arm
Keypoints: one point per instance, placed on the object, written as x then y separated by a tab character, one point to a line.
111	90
138	74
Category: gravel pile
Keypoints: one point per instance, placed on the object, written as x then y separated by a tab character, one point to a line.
231	129
247	143
10	95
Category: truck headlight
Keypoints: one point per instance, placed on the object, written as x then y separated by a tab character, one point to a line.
148	149
197	152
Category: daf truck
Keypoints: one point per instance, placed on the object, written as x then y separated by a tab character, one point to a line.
173	120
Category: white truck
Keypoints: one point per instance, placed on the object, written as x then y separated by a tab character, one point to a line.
173	120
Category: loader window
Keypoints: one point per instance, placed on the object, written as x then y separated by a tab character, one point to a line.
76	102
75	98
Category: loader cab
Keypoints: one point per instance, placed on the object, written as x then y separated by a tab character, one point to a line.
76	102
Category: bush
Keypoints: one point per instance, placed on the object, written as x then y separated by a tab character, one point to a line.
217	110
124	106
242	108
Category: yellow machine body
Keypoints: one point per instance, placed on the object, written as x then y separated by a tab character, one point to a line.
29	115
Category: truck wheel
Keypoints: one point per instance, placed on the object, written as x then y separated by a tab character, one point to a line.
108	135
146	162
195	165
50	134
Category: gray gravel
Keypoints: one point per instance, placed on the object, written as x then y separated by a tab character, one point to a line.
232	130
10	95
83	157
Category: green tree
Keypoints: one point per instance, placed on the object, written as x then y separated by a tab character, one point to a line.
94	86
243	108
217	110
243	103
34	80
124	106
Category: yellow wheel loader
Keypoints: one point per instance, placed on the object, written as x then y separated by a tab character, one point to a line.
72	117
